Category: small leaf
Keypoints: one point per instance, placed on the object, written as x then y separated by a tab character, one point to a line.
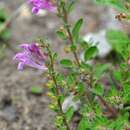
83	125
70	6
76	29
61	35
73	47
100	69
55	56
90	53
66	63
98	89
36	90
81	88
69	113
117	75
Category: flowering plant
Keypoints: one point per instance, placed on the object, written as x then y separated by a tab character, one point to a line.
81	91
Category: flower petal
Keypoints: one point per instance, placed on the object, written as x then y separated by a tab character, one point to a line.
21	66
42	4
35	10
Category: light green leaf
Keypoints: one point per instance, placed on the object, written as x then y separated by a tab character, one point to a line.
118	40
36	90
69	113
98	89
83	125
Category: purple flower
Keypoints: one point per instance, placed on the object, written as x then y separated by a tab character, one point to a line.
30	56
42	4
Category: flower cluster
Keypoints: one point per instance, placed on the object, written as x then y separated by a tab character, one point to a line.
42	4
30	56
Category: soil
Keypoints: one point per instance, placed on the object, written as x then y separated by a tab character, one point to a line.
19	109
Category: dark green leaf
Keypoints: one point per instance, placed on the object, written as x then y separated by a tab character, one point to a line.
77	28
66	63
90	53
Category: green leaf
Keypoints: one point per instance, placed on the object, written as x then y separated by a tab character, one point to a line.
100	69
61	35
70	6
81	88
3	16
36	90
118	40
70	79
126	88
6	34
83	125
69	113
117	4
90	53
98	89
118	75
73	47
76	29
66	63
54	56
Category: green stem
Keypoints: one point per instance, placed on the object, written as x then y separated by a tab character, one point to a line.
52	73
65	19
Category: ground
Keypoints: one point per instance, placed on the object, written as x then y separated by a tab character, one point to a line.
19	109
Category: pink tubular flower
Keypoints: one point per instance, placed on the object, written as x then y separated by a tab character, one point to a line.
42	4
30	56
